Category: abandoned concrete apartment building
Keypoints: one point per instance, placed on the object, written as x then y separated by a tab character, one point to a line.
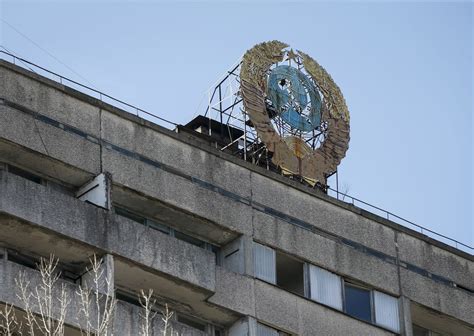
235	249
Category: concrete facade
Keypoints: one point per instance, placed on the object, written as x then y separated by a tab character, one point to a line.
225	205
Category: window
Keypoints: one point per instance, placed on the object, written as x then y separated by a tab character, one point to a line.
420	331
264	263
289	273
23	173
325	287
386	311
166	230
130	215
279	269
158	226
263	330
127	297
65	271
357	302
189	239
191	322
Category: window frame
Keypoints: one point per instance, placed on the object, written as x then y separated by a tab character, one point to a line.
371	296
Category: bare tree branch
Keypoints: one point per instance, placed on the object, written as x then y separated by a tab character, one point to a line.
8	322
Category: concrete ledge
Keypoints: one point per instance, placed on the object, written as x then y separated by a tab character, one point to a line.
241	298
450	301
303	317
50	210
50	100
436	260
178	192
23	129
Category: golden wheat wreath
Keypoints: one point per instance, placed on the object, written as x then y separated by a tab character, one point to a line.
314	164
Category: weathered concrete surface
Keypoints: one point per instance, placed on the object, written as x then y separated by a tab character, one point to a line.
174	217
326	253
436	260
23	129
234	291
323	215
48	98
170	151
454	302
303	317
441	324
178	192
67	216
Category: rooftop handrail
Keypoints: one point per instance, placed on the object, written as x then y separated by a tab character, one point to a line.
389	215
101	94
353	199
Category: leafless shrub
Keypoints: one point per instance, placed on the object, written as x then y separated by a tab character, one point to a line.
51	308
148	315
167	329
96	308
46	305
8	321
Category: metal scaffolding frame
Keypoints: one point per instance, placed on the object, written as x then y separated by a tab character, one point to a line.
225	105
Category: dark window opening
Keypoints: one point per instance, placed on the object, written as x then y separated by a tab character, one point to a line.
189	239
358	302
23	173
166	230
23	260
127	297
191	322
158	226
130	215
66	272
420	331
134	299
289	273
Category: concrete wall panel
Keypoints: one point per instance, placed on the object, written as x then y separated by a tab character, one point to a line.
23	129
167	150
65	215
234	291
323	215
276	307
447	300
50	101
436	260
178	191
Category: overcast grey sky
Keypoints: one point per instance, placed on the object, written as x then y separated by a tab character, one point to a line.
405	69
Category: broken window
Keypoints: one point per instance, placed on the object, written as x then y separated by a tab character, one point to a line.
279	268
289	273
